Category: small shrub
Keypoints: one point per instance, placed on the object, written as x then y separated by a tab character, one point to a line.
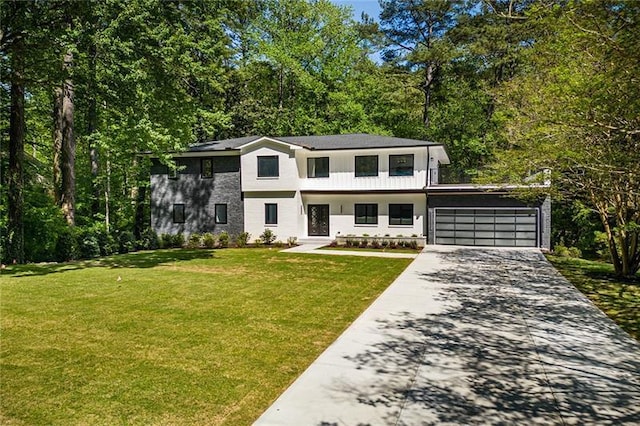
563	251
257	242
293	241
333	243
177	240
384	243
88	247
243	239
375	243
195	241
65	249
165	240
278	244
399	236
413	244
349	242
414	235
149	240
575	252
209	240
126	242
364	243
268	237
393	245
365	235
223	239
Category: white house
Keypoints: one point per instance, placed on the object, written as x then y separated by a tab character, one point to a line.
325	186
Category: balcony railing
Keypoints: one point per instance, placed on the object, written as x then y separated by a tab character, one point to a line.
444	176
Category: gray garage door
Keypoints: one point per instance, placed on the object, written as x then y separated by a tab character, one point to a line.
487	227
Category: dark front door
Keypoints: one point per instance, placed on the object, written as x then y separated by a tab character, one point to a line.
318	219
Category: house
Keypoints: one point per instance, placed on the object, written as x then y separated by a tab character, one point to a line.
321	187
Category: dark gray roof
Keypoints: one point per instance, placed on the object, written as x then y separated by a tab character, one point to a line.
352	141
331	142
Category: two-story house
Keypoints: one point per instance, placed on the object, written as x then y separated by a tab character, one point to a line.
324	186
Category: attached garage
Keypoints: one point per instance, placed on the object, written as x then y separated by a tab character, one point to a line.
487	227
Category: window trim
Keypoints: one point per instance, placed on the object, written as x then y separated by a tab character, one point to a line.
315	174
175	211
215	213
266	214
277	158
355	168
366	215
202	174
413	166
400	218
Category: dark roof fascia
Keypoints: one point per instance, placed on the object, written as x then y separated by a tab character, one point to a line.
371	147
362	191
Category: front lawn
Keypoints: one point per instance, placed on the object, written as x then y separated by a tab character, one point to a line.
172	336
619	299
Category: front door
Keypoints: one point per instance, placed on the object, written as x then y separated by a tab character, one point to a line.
318	219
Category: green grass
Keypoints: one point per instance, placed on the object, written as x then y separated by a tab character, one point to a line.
172	336
619	299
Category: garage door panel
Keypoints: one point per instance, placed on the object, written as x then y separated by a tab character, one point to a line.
487	227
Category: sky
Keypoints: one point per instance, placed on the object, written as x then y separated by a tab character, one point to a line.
370	7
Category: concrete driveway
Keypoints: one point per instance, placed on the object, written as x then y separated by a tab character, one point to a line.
472	336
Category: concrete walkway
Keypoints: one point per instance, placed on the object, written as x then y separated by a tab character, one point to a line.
314	248
470	336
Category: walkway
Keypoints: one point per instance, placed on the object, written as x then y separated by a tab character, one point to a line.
472	336
315	249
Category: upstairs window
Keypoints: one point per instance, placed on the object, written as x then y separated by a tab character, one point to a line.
318	167
400	214
271	214
401	165
178	213
366	165
268	166
366	214
206	168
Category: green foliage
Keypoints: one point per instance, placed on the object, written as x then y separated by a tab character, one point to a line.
267	237
209	240
195	241
126	242
242	239
223	239
278	244
66	247
149	240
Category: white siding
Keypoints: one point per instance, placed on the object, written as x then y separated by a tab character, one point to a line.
288	173
289	214
342	220
342	170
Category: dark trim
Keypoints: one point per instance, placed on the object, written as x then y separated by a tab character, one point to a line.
363	191
309	160
466	191
355	166
369	147
184	213
367	207
215	213
266	214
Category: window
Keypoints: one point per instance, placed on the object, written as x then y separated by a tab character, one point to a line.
221	213
400	214
271	214
366	165
178	213
318	167
268	166
366	214
401	165
206	168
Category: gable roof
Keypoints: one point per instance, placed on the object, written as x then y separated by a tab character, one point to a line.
330	142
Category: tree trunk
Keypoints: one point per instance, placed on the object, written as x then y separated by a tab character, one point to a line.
426	88
92	126
57	145
139	224
16	156
68	192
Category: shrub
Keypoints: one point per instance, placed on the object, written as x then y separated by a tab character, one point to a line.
393	245
384	243
257	242
209	240
375	243
177	240
278	244
364	243
195	240
65	248
148	240
413	244
242	239
165	240
126	242
333	243
349	242
292	241
564	251
268	236
88	247
223	239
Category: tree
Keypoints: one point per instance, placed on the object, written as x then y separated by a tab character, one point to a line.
577	110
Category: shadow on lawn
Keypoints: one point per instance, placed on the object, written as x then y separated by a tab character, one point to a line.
140	259
512	346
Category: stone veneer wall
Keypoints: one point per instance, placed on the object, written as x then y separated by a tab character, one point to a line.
199	195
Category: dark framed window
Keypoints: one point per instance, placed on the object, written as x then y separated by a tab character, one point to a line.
206	168
178	213
401	165
366	214
268	166
271	214
221	213
400	214
318	167
366	165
